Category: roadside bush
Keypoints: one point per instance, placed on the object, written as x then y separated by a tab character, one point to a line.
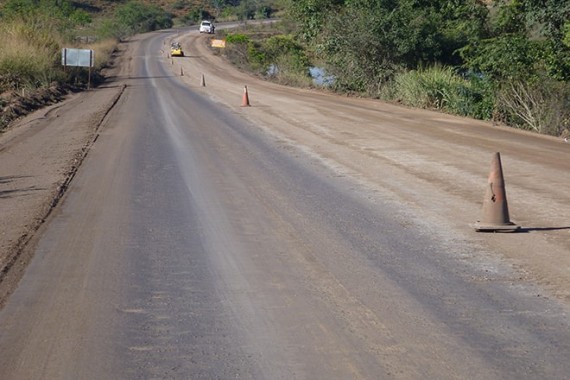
279	57
436	88
505	57
283	71
180	4
111	29
237	50
441	88
236	38
480	97
228	14
131	18
28	55
264	12
103	50
279	46
136	17
541	106
61	14
195	16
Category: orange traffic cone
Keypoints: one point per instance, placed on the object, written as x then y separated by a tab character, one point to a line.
495	208
245	99
203	83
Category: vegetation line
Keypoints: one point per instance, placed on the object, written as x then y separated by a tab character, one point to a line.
501	60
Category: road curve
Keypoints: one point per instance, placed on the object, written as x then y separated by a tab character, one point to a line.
198	243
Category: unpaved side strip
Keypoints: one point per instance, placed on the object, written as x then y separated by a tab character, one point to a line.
38	158
434	164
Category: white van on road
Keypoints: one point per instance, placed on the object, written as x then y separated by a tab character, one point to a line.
207	27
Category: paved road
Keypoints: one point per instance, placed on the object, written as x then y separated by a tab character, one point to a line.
191	245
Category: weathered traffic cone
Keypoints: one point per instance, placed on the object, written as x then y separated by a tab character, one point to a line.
495	209
203	82
245	98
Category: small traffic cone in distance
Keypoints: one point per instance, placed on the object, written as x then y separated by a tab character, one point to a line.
203	82
245	98
495	209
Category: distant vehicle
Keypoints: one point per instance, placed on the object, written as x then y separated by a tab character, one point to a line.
207	27
176	50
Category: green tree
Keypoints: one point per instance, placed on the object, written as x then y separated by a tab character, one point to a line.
60	12
138	17
527	40
370	40
552	18
310	15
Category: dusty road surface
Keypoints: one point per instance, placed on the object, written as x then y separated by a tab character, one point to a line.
308	236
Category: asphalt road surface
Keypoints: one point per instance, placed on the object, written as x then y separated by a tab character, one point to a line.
204	240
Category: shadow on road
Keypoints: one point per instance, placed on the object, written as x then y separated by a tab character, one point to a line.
532	229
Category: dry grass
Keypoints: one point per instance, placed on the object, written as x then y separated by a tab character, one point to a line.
103	51
28	55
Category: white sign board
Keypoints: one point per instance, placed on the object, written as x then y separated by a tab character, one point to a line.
77	57
219	43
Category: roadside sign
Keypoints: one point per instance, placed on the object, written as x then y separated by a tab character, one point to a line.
219	43
78	58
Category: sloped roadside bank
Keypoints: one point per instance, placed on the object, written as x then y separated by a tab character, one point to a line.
39	155
14	105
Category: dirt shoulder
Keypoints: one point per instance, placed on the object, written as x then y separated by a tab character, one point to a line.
435	166
39	155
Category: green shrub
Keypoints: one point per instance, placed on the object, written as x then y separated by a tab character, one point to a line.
443	89
237	50
180	4
194	16
284	51
237	38
256	57
135	17
111	28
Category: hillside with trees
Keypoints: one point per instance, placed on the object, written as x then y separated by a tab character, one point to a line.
504	60
33	33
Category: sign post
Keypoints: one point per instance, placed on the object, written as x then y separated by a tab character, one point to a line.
78	58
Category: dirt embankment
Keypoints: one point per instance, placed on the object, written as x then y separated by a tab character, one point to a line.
14	105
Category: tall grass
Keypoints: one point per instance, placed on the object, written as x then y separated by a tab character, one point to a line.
29	52
441	88
434	87
103	51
